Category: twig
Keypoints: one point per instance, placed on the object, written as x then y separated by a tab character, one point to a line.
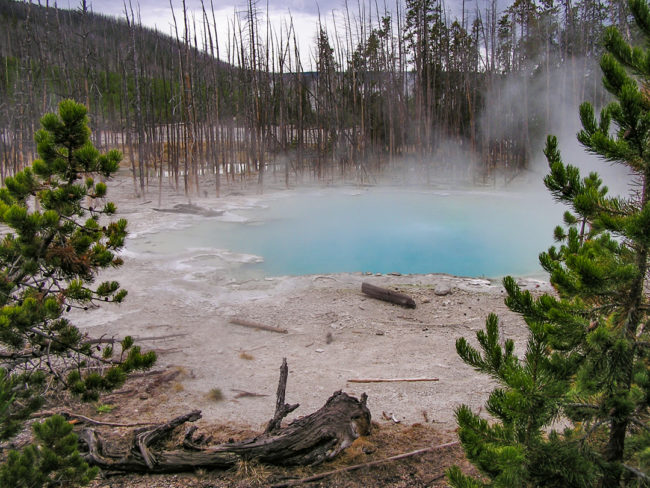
121	392
390	380
390	417
143	374
255	325
102	340
582	405
67	414
637	472
435	478
169	350
638	423
364	465
239	349
243	393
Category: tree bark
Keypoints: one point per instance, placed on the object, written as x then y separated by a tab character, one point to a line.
305	441
387	295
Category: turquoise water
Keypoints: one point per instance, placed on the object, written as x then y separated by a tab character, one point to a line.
380	231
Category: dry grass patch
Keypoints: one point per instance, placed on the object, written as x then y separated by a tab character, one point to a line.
215	395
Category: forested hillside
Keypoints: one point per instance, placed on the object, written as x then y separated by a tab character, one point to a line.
468	97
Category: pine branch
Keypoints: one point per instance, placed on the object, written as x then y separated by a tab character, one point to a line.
582	405
638	473
638	423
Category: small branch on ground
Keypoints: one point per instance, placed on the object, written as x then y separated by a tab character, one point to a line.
112	340
244	394
390	380
370	464
83	418
255	325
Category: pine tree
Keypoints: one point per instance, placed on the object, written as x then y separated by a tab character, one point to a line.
515	451
58	237
53	460
592	339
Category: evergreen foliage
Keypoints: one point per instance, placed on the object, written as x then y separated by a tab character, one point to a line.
587	356
58	238
49	262
53	460
16	401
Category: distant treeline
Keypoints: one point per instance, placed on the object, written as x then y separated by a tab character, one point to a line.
465	98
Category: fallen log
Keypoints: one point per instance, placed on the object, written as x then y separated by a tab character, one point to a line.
305	441
256	325
191	209
387	295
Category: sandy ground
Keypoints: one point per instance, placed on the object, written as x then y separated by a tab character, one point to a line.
335	333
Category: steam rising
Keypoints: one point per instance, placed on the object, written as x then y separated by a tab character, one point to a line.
553	104
466	233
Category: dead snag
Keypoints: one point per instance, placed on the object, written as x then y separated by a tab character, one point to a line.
281	409
305	441
387	295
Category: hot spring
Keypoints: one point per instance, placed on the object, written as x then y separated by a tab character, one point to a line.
378	230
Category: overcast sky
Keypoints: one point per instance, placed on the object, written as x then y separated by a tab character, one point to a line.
157	13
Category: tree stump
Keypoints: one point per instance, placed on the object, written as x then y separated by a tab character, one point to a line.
305	441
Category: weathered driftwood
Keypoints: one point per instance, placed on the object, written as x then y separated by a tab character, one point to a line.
256	325
390	380
305	441
387	295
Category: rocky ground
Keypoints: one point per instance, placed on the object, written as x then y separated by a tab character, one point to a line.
335	334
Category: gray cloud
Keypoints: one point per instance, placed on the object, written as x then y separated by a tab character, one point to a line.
112	7
312	7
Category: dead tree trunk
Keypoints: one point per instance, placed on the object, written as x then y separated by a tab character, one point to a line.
305	441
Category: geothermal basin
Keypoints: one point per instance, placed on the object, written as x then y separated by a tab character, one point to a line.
377	230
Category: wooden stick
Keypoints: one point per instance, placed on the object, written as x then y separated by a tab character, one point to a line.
113	340
390	380
83	418
387	295
255	325
243	393
364	465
